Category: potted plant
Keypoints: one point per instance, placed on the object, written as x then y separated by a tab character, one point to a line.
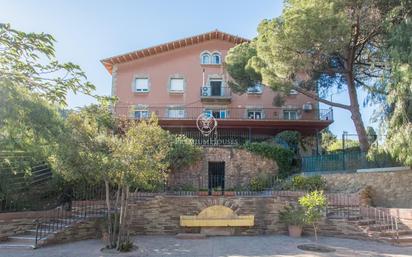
203	192
294	218
229	192
217	191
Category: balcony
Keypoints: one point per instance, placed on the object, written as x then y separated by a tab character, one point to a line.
267	120
220	113
215	93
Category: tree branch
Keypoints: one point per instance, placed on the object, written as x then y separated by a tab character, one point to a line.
369	88
317	98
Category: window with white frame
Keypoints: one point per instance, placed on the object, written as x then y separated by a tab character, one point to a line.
255	89
216	113
177	84
141	84
216	59
205	58
141	114
176	112
254	114
290	114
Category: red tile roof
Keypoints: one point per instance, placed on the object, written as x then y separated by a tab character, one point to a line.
131	56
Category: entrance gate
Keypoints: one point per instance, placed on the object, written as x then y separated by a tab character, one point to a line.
216	172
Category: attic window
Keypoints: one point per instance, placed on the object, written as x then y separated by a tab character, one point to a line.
205	58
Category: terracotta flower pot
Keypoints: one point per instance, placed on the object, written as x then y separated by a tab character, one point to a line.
202	193
230	193
216	193
295	231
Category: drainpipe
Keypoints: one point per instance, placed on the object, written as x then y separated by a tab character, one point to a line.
203	79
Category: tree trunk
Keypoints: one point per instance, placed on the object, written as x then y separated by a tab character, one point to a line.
110	242
356	115
119	235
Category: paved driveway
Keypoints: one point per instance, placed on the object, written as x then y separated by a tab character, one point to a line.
264	246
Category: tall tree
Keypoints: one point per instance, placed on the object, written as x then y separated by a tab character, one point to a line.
318	45
33	85
28	60
398	107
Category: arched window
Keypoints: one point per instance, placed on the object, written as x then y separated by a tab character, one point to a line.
205	58
216	58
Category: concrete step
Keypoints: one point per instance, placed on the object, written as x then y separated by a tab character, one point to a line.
378	227
364	222
22	239
11	245
190	236
393	233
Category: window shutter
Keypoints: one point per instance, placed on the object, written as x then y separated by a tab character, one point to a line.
142	85
176	84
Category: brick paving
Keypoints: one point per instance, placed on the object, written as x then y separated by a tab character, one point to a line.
263	246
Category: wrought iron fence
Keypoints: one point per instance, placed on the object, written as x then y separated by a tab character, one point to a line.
345	161
70	207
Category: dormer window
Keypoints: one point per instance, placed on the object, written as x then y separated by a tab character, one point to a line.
216	59
205	59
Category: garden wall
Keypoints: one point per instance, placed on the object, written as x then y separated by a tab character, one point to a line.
160	214
389	189
240	166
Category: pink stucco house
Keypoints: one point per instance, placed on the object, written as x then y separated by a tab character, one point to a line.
181	79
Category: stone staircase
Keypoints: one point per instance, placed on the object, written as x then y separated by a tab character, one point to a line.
370	223
46	229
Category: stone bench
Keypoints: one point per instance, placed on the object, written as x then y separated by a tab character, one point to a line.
214	219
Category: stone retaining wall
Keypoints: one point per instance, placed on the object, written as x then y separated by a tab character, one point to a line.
87	229
240	167
160	214
389	189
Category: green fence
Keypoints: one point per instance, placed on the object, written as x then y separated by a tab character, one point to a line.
348	161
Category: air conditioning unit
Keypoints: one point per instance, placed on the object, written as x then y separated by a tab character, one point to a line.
307	107
205	94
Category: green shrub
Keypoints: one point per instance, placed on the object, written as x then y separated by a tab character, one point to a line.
260	183
126	246
293	215
183	152
310	184
282	156
313	204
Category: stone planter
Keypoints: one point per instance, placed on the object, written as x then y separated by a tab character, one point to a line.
295	231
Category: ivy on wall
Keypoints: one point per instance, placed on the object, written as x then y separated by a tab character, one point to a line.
282	156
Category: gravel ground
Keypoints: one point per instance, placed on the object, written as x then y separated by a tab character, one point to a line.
264	246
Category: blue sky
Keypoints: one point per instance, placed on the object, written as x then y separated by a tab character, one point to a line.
88	31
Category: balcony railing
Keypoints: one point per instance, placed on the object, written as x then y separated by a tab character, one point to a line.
191	113
215	92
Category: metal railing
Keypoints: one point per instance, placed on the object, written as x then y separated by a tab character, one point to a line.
215	92
347	206
89	202
224	113
20	176
381	221
348	161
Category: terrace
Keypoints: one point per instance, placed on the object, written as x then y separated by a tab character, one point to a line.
265	121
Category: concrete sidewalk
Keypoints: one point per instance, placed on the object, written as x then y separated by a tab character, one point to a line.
264	246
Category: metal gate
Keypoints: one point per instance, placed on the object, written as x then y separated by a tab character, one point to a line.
216	172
